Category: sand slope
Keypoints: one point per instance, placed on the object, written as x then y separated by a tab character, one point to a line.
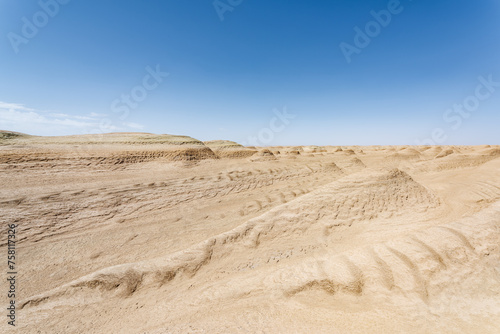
237	240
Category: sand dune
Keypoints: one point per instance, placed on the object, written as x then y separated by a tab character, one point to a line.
142	233
229	149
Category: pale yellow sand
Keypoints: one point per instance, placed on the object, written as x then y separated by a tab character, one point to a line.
138	233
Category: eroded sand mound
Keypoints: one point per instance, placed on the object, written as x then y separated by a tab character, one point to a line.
229	149
292	151
405	155
263	155
356	163
332	167
111	148
491	152
349	152
445	153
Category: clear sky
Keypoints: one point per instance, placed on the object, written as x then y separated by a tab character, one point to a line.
336	72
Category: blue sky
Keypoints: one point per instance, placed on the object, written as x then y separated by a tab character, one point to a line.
72	71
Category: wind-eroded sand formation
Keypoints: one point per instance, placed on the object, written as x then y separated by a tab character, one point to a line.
143	233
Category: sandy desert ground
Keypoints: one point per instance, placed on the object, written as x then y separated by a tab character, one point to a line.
142	233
